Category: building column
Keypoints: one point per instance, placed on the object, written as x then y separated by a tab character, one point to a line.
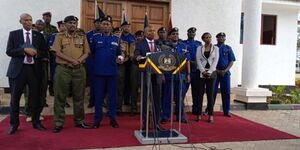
249	93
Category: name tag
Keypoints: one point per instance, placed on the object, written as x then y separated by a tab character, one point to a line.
79	41
99	42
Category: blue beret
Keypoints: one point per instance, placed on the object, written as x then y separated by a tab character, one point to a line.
161	29
221	34
125	23
107	18
175	29
192	29
59	23
70	18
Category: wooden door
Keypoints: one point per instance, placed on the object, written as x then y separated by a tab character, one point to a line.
158	12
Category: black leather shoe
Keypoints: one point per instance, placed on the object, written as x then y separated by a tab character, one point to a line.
84	126
12	130
57	129
39	127
228	115
198	119
96	125
67	105
114	124
163	121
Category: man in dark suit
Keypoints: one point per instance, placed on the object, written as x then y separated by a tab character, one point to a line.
26	49
142	49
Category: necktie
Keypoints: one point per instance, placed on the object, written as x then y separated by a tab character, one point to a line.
29	58
151	47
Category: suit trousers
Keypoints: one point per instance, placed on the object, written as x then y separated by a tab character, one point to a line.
17	85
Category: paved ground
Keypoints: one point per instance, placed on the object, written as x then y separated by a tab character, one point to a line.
284	120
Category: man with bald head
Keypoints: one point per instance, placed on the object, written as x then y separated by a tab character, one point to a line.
26	48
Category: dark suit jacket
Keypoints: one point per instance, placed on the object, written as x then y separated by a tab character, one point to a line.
16	52
142	47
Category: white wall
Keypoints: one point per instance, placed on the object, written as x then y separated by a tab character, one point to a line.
212	16
277	62
10	12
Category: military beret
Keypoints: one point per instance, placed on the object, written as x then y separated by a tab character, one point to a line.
107	18
175	29
97	20
139	32
221	34
125	23
161	29
47	13
116	29
59	23
70	18
192	29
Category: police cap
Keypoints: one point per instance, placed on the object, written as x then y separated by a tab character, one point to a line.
59	23
125	23
175	29
161	29
47	13
116	29
221	34
107	18
192	29
97	20
70	18
139	32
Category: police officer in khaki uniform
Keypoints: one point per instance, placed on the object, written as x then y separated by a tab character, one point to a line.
71	50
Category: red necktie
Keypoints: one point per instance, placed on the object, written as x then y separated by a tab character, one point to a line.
151	47
29	58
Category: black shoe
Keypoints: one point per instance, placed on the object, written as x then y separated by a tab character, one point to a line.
12	130
46	105
228	115
91	105
57	129
198	119
163	121
67	105
114	123
84	126
39	126
96	125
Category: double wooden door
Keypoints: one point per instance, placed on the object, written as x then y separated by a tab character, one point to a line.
157	10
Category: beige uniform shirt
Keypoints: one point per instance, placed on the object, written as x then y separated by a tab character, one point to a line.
73	46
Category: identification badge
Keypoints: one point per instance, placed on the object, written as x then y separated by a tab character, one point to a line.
114	43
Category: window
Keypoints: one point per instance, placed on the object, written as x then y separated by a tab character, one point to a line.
268	30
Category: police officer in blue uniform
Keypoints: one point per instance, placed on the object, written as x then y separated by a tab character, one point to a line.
192	45
107	51
179	48
129	64
90	60
226	59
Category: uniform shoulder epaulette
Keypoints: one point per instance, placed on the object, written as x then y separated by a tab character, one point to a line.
80	32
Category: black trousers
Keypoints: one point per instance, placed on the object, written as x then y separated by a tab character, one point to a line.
206	85
155	90
17	85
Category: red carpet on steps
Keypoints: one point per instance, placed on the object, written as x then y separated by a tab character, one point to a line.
222	130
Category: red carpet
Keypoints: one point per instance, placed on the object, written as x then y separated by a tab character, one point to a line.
222	130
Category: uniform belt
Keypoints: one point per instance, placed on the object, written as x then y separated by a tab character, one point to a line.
69	67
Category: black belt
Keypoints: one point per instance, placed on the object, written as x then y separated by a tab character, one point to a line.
69	67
